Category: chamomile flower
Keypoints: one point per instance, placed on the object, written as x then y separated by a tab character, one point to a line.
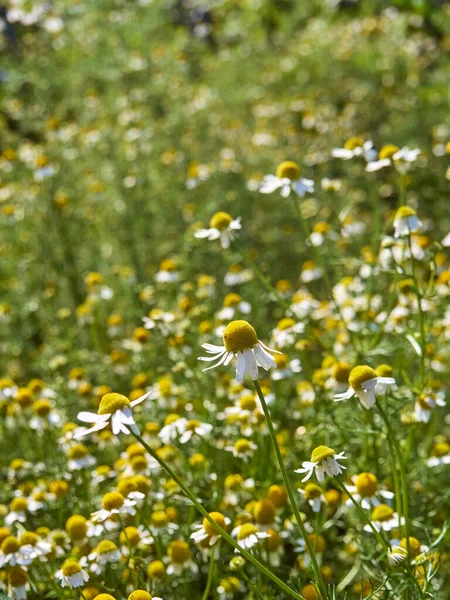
105	552
205	533
313	494
324	460
113	503
221	227
365	490
137	595
364	382
400	158
184	430
113	408
71	574
440	455
353	148
240	341
424	405
242	448
179	558
18	583
287	179
249	535
406	221
13	553
384	518
21	508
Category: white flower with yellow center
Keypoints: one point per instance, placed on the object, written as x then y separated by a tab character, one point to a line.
249	535
71	574
366	491
353	148
400	158
113	408
184	430
18	583
179	557
384	518
424	406
364	382
205	533
13	553
114	503
105	552
240	340
324	460
406	221
440	455
287	179
221	227
313	493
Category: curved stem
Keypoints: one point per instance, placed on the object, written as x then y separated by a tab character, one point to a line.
290	491
216	526
210	575
362	514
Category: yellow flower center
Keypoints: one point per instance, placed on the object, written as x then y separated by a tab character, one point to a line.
414	546
366	484
231	300
105	546
111	403
354	142
311	491
19	504
70	567
17	577
318	542
77	451
278	495
104	597
218	518
159	518
156	569
179	551
246	530
274	542
165	387
10	545
76	527
388	151
29	538
286	323
359	375
239	336
264	512
321	453
288	169
341	372
130	535
42	407
424	401
112	500
382	512
192	425
221	220
404	212
242	446
247	402
441	449
139	595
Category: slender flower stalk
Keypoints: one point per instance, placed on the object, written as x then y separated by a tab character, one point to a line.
418	293
216	526
290	491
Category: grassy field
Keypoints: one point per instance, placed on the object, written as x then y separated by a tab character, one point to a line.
261	185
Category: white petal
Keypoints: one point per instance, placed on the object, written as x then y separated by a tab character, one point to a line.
88	417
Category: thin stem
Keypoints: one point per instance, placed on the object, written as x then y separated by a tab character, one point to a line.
290	491
216	526
421	313
210	575
362	514
403	479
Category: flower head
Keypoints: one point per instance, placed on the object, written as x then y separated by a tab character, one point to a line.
240	340
71	574
115	408
406	221
323	460
364	381
222	226
287	179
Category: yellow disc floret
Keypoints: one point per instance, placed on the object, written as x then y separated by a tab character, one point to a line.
264	512
312	491
388	151
209	528
354	142
404	212
110	403
414	546
70	567
288	169
139	595
366	484
321	453
221	220
112	500
76	527
179	551
246	530
10	545
17	577
359	375
382	512
239	336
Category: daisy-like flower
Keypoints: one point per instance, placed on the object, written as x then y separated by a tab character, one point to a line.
364	382
205	533
313	493
287	179
365	491
113	503
249	535
115	408
136	595
440	455
21	507
71	574
406	221
400	549
240	340
400	158
323	461
179	556
13	553
424	405
18	583
355	147
184	429
105	552
384	518
243	449
221	227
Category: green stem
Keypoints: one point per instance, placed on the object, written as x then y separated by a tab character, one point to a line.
290	491
362	514
403	479
216	526
421	313
210	575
